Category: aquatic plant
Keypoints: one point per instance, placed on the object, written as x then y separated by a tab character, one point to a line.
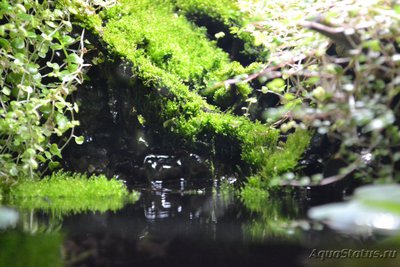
63	193
279	163
225	21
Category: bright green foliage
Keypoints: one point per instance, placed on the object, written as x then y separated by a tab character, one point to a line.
226	11
41	62
25	250
182	111
228	14
172	44
254	138
254	195
38	71
350	94
285	158
63	192
277	161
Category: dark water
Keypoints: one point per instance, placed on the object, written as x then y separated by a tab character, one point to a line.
181	223
173	228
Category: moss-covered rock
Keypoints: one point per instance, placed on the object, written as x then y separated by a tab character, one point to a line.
176	63
225	11
170	42
224	21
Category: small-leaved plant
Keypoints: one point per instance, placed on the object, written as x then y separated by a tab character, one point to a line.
41	62
335	67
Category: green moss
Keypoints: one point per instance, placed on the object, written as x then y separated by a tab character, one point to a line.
172	44
176	63
171	56
286	158
24	250
63	192
253	195
170	41
225	11
277	161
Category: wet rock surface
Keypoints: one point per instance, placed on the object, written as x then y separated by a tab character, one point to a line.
116	143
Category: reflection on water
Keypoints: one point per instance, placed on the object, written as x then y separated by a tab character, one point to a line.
25	250
183	223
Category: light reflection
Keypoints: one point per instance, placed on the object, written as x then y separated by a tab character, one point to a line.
386	221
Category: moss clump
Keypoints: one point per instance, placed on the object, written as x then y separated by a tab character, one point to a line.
278	161
63	192
171	56
285	159
254	139
226	11
227	17
176	61
170	42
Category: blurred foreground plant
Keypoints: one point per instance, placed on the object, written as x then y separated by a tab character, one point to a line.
346	86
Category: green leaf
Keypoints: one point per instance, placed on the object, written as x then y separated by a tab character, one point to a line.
74	58
289	96
79	139
319	93
13	171
62	121
41	158
374	45
55	66
26	17
55	150
51	24
397	9
29	153
31	35
67	40
5	44
277	85
53	165
60	105
6	91
32	68
47	154
18	43
264	89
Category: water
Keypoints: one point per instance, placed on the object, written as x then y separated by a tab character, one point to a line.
180	223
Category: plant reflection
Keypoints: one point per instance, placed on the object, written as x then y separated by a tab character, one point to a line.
275	218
